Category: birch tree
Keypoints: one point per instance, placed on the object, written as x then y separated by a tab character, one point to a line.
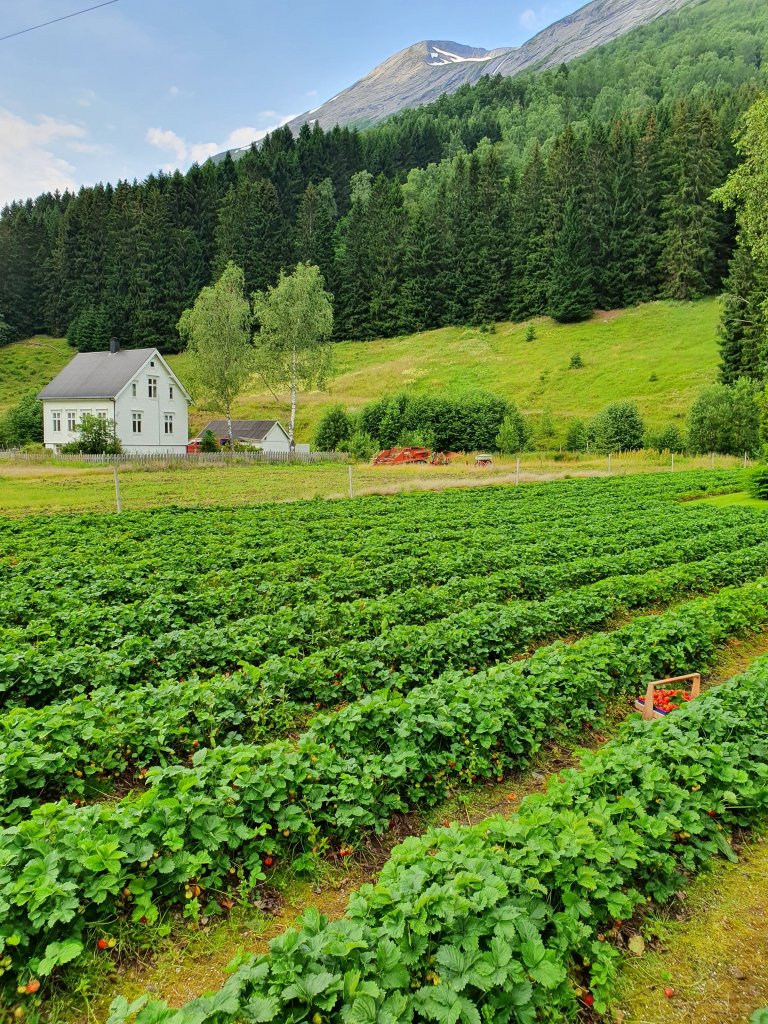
295	319
217	330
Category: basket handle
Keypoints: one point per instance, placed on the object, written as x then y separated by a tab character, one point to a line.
693	677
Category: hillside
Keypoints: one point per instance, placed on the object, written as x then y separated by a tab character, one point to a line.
621	351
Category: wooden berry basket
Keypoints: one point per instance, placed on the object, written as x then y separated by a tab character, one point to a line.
647	705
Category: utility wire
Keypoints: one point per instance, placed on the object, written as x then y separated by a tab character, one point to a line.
53	21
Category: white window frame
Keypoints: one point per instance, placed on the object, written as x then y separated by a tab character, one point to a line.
133	389
56	421
71	420
170	391
168	423
102	414
152	387
136	422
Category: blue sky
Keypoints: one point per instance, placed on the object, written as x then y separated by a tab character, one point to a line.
144	84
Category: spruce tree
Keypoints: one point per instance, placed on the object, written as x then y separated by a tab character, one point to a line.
249	233
691	223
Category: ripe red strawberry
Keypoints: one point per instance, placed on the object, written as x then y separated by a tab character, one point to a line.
669	991
711	814
268	862
589	999
102	944
32	986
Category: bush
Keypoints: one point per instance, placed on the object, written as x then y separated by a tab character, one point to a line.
334	430
513	435
468	422
576	361
618	428
530	333
362	446
96	437
545	433
208	443
725	418
23	424
577	437
668	439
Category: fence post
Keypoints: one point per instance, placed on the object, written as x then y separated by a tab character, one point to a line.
745	460
673	462
350	480
517	472
609	463
117	489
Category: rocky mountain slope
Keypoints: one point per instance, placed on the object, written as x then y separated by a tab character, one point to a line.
423	72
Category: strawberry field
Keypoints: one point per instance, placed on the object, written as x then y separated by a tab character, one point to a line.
195	699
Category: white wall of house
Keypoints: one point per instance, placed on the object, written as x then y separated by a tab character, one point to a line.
151	413
276	440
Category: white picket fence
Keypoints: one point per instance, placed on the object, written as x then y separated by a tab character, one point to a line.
183	458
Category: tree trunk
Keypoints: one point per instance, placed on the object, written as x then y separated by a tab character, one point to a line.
292	424
229	428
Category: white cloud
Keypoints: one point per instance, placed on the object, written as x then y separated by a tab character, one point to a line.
312	94
28	166
185	152
530	19
87	97
175	90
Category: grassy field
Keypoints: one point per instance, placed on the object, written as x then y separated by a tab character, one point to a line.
659	355
30	487
28	365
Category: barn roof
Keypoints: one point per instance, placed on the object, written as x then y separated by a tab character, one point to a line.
97	374
243	430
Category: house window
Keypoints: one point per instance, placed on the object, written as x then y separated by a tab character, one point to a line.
168	422
101	414
152	387
56	420
136	422
71	421
133	389
152	362
170	391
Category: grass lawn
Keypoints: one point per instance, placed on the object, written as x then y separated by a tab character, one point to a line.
659	355
30	487
738	498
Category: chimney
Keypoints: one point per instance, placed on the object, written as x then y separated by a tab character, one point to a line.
114	346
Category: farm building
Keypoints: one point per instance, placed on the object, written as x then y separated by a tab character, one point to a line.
268	435
134	387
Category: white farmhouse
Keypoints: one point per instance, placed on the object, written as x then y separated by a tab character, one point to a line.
134	387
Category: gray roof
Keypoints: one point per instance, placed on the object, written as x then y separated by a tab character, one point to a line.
243	430
97	374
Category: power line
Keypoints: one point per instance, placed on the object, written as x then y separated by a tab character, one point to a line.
53	21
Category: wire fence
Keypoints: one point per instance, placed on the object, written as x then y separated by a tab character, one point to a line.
175	458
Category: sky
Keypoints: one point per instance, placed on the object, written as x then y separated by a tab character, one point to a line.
140	85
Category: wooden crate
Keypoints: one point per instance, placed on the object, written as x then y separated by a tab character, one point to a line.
647	706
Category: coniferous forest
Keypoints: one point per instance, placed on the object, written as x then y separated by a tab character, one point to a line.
552	193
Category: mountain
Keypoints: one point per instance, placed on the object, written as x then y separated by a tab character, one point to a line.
425	71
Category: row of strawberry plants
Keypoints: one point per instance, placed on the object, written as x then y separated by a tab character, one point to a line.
65	871
64	748
39	673
178	595
53	563
165	610
507	920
